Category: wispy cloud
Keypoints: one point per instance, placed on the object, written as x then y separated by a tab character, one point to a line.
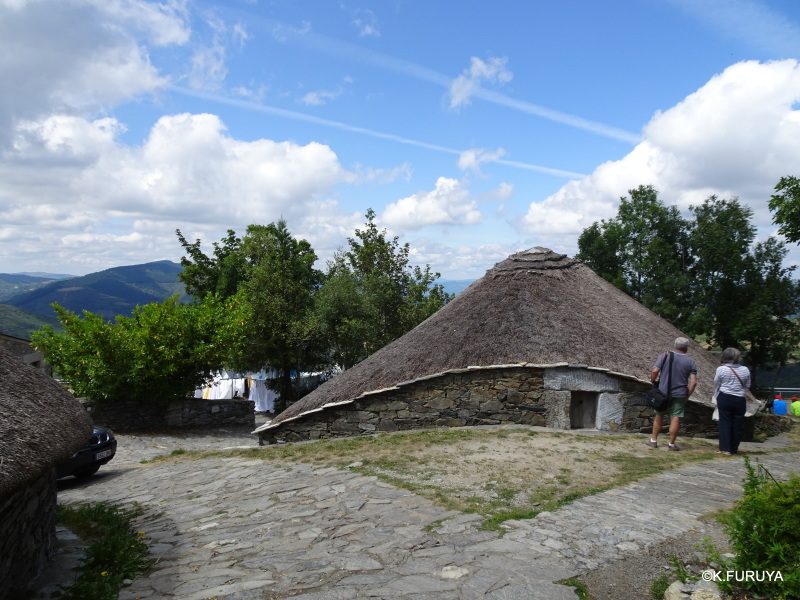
324	44
749	21
366	22
465	85
290	114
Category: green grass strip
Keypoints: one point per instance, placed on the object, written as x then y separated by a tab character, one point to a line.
116	551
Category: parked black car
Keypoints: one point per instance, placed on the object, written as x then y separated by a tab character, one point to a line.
100	449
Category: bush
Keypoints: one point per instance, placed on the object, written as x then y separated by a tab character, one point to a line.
162	352
765	533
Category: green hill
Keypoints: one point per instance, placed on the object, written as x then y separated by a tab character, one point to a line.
115	291
12	284
20	322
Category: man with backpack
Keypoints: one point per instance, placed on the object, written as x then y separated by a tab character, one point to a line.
675	373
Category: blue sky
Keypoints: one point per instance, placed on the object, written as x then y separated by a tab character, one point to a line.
473	129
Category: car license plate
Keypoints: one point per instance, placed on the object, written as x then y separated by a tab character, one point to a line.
103	454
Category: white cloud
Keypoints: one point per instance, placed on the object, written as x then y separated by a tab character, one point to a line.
364	174
320	97
737	135
80	184
208	67
473	159
366	23
467	262
469	82
76	56
448	204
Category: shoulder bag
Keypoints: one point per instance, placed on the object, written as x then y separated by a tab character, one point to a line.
655	398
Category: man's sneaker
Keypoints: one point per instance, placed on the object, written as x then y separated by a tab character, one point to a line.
673	448
652	444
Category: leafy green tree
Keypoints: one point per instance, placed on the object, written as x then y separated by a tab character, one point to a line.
218	274
344	314
720	241
160	353
644	251
767	326
276	299
786	206
372	295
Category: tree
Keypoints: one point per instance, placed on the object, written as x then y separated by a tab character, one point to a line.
161	353
767	327
707	276
644	252
222	274
372	295
720	241
786	206
276	296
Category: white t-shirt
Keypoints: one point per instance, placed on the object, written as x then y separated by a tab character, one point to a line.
728	383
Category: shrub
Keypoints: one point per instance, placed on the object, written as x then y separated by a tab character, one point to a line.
765	533
162	352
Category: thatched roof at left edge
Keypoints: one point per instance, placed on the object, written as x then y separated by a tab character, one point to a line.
537	307
41	424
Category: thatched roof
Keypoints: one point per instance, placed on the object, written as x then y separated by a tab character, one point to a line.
536	307
41	424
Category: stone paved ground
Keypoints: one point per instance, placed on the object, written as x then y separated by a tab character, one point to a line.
239	529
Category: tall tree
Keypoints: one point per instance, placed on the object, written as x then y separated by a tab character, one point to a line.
372	295
276	296
707	275
218	274
644	252
720	241
786	206
767	326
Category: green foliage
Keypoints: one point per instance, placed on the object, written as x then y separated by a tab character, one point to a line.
764	532
277	297
705	275
372	295
163	352
203	275
644	251
581	589
115	553
658	587
786	206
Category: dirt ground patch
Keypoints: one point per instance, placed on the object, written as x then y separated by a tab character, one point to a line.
501	473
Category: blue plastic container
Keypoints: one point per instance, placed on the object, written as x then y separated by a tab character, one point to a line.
779	407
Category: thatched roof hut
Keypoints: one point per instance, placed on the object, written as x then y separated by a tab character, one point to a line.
535	308
41	425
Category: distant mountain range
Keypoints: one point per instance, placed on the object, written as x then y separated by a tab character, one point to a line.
109	293
26	300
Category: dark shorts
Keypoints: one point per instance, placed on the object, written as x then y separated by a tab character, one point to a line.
675	408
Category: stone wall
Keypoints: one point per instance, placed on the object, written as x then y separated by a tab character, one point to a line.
488	396
187	413
27	534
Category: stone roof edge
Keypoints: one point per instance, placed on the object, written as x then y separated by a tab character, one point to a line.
267	426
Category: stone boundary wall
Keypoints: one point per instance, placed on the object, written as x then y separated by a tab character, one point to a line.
487	396
27	534
187	413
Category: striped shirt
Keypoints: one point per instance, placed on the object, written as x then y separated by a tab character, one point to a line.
727	382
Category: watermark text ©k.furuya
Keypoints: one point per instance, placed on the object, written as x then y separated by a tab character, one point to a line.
741	576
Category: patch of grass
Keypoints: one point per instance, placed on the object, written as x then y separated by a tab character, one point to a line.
493	521
116	551
451	466
581	589
659	585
